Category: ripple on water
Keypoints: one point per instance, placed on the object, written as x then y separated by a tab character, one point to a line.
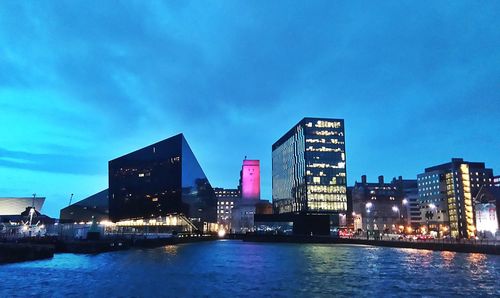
234	268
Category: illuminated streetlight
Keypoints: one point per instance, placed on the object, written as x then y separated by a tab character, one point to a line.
405	201
369	205
395	208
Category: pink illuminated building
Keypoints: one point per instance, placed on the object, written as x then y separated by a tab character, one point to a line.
250	180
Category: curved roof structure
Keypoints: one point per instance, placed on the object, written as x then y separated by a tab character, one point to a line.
14	206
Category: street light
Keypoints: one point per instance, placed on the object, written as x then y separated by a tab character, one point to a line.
368	205
396	209
430	215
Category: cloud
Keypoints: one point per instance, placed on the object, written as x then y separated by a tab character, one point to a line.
82	83
55	163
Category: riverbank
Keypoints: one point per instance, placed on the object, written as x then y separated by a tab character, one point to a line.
20	252
437	246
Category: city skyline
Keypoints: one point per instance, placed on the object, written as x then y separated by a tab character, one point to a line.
78	89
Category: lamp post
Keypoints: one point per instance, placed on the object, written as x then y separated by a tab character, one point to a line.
396	209
368	206
429	215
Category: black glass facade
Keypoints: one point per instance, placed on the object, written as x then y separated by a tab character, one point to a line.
94	207
160	179
309	168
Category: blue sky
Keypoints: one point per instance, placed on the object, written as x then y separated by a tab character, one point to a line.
84	82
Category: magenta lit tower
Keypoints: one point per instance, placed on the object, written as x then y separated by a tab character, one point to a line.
250	180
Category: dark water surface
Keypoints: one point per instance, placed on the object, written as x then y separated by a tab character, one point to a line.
234	268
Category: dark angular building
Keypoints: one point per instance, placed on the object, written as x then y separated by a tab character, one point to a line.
94	207
158	180
309	168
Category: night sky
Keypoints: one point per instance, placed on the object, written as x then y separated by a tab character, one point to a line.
416	82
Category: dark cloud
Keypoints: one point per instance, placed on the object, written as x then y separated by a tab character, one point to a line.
414	81
54	163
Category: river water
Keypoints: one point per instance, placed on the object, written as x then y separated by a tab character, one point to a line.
234	268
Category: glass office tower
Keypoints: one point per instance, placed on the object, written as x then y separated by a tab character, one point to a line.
158	180
309	168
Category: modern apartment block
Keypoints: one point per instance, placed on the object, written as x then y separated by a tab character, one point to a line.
447	195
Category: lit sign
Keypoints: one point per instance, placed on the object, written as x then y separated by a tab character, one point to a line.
486	218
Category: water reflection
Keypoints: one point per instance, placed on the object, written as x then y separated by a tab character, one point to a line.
235	268
476	259
448	258
171	249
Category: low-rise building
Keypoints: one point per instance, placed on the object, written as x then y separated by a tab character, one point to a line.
383	207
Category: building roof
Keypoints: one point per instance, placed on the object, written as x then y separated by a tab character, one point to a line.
16	205
455	162
291	131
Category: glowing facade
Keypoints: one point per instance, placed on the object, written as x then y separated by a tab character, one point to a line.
250	180
309	168
447	193
486	219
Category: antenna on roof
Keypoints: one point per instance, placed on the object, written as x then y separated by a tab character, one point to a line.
245	157
70	199
33	203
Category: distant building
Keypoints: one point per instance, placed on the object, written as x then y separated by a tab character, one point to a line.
160	180
263	207
250	180
226	201
447	193
95	207
309	168
242	218
410	209
413	215
351	215
227	192
496	181
383	206
17	205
